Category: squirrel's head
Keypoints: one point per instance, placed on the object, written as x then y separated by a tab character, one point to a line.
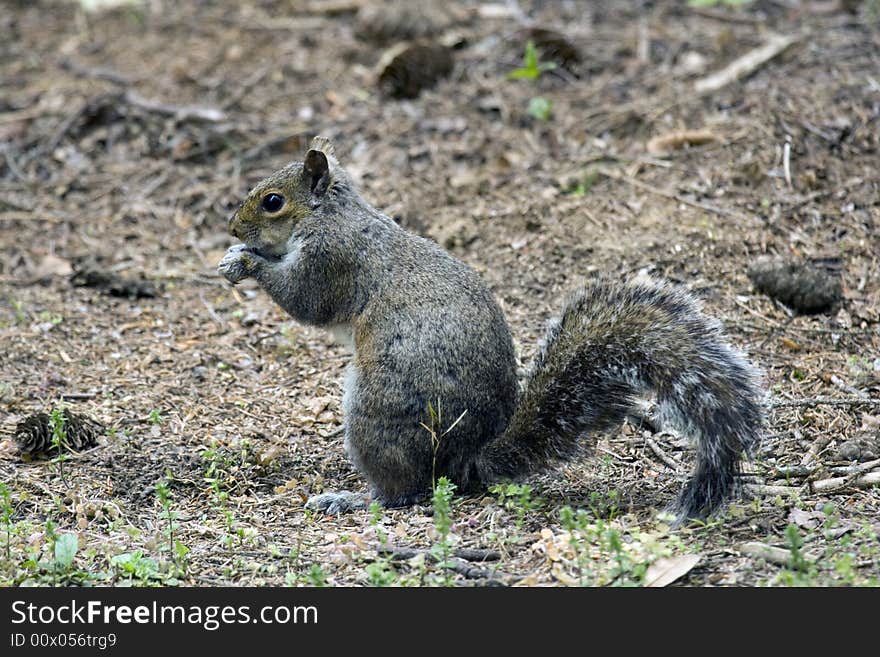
268	216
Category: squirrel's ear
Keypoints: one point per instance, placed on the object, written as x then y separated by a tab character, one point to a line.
316	169
323	144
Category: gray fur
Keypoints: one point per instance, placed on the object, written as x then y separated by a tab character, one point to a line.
428	333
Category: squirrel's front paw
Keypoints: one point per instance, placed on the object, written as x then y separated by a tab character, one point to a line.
237	264
336	503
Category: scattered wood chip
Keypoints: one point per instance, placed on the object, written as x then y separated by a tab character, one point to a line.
666	570
408	69
801	286
673	141
791	345
747	64
34	434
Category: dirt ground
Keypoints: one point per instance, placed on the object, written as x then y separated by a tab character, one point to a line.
127	137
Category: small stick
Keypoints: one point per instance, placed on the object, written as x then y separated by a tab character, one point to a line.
786	162
825	485
78	396
824	401
670	195
769	489
766	552
840	383
857	468
794	470
179	112
643	48
333	7
210	309
867	466
467	554
720	16
660	454
456	565
747	64
99	73
818	445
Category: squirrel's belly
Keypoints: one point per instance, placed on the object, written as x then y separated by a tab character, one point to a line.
349	388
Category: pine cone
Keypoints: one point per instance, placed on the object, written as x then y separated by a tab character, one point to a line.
407	69
804	286
34	433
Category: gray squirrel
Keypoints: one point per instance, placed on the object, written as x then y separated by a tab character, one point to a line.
427	333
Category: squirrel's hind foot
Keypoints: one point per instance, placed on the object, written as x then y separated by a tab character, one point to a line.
337	503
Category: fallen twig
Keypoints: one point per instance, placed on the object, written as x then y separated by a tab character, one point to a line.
824	401
468	554
818	445
793	471
179	112
660	454
843	385
670	195
456	564
680	138
851	479
98	73
769	489
78	396
333	7
727	17
747	64
766	552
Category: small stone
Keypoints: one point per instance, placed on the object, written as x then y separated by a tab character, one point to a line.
849	451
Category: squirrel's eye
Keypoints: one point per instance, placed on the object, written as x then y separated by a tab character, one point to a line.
272	202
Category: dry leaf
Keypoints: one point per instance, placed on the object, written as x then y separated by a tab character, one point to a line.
666	570
269	454
317	405
806	519
528	580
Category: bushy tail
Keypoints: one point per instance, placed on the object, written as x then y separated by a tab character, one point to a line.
613	344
